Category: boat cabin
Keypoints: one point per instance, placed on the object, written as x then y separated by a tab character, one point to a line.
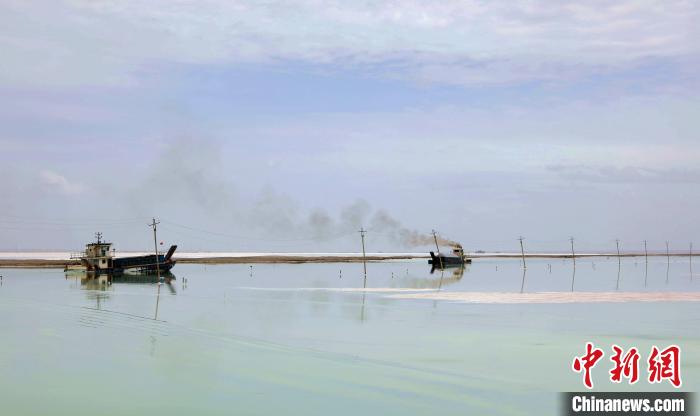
98	255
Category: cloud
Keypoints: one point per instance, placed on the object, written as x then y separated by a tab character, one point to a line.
454	41
626	175
59	183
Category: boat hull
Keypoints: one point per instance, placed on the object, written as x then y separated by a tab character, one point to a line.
148	264
441	260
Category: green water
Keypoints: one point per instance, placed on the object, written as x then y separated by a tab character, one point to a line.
290	340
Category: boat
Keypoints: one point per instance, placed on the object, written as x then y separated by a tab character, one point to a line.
99	257
444	260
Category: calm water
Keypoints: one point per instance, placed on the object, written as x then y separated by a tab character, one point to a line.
301	339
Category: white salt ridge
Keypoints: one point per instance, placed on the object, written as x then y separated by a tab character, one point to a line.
336	289
65	255
553	297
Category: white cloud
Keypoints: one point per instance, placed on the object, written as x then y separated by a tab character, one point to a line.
626	174
59	183
106	42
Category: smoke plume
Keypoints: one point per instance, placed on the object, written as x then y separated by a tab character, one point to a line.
383	222
198	189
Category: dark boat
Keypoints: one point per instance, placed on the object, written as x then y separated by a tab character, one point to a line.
444	260
99	258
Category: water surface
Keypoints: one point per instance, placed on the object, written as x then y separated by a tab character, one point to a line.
320	339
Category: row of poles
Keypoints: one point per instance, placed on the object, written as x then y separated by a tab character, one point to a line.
617	247
619	258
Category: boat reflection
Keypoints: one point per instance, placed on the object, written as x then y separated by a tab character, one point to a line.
102	281
97	285
448	275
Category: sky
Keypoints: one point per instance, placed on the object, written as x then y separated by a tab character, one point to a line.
287	125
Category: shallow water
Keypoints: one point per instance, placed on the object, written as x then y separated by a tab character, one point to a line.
304	339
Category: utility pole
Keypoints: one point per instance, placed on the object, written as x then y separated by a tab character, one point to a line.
522	251
154	225
573	254
364	257
437	247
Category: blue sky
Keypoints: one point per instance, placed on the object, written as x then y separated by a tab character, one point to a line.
286	125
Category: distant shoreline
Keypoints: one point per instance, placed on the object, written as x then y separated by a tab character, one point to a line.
35	260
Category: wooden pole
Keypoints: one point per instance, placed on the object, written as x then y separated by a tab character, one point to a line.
522	251
646	255
154	224
619	263
437	247
690	256
573	254
646	264
668	262
364	256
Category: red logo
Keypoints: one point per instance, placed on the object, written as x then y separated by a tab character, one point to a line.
662	364
665	365
586	362
627	365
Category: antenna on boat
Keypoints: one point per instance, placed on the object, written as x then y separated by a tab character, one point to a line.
98	235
